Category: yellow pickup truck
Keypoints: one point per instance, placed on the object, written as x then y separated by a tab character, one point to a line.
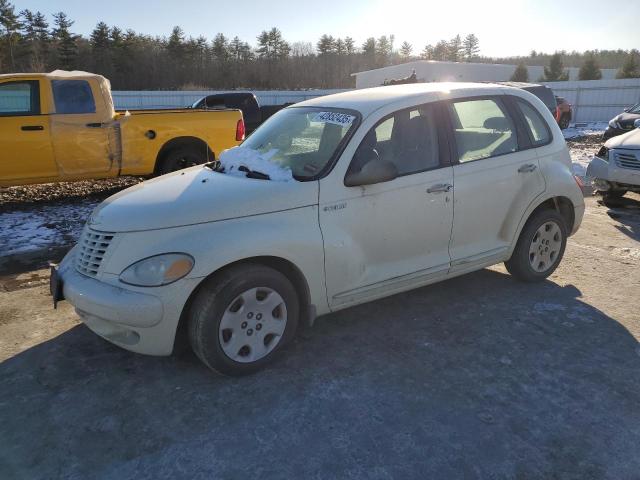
62	126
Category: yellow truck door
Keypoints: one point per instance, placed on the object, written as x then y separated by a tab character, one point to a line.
83	131
26	151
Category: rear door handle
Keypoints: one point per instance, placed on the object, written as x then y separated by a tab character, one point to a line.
439	188
31	128
529	167
94	125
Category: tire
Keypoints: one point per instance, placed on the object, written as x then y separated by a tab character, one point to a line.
613	194
219	312
540	247
181	157
564	122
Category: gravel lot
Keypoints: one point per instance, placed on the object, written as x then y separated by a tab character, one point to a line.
476	377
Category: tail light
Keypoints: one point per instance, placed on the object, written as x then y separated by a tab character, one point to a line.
240	131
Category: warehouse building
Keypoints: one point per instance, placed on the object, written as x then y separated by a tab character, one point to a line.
434	71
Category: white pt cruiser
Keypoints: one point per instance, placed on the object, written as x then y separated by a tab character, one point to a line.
332	202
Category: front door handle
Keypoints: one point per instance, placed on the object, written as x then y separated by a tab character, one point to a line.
529	167
31	128
439	188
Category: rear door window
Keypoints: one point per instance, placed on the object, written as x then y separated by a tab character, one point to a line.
482	129
19	98
73	96
536	126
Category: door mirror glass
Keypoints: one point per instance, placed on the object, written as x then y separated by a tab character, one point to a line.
637	123
375	171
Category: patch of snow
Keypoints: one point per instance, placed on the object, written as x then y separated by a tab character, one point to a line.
581	129
42	227
236	157
580	160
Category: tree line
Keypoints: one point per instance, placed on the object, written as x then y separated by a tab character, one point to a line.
31	42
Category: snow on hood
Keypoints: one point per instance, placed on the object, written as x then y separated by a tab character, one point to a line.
236	157
197	195
630	140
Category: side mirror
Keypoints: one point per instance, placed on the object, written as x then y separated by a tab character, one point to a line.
375	171
636	123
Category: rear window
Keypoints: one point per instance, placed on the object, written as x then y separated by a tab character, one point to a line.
19	98
73	96
536	125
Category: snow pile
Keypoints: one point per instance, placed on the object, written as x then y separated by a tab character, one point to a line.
42	227
580	129
580	160
236	157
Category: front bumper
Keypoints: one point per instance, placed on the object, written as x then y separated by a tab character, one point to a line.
140	321
609	171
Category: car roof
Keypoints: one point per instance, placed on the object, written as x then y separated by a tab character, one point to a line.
368	100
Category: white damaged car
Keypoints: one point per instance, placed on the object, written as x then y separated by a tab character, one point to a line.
615	169
332	202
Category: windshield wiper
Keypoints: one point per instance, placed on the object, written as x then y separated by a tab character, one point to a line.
254	173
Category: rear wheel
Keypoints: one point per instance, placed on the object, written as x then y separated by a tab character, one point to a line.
182	157
540	247
240	319
564	122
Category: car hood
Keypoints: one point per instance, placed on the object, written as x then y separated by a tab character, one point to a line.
627	118
629	140
197	195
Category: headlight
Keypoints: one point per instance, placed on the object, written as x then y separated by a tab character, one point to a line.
613	123
158	270
603	153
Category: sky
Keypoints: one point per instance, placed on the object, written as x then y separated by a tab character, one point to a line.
504	28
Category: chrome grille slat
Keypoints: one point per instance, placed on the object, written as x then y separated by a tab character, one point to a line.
628	160
93	247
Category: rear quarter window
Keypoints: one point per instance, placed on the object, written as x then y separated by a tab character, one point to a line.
73	96
536	126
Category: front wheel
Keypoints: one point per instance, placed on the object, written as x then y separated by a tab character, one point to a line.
240	319
540	247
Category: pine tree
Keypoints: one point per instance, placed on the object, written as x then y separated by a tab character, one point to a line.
520	74
555	72
405	49
427	52
384	47
10	26
590	69
349	46
175	45
631	67
454	49
470	47
36	40
100	41
66	46
220	48
441	50
326	45
369	49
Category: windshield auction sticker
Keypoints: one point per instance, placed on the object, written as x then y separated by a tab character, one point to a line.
336	118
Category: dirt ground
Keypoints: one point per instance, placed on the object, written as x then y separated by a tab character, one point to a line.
477	377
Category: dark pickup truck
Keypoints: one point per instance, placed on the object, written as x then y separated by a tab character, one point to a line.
252	112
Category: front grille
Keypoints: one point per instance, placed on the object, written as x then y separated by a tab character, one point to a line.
92	248
627	160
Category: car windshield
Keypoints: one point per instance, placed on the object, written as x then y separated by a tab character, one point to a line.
302	139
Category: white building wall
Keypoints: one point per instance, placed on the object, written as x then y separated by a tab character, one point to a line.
433	71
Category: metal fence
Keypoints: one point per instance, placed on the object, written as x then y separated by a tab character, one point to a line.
133	100
598	100
592	100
